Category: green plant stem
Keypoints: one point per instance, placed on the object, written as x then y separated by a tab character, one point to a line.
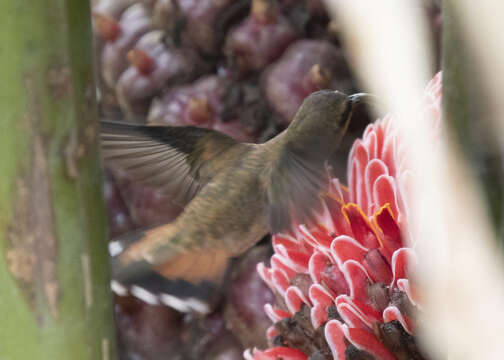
466	110
54	299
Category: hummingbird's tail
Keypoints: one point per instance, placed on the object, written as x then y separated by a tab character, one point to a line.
153	266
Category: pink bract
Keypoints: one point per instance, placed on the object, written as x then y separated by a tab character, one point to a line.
349	274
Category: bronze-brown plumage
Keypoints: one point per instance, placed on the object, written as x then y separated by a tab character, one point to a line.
236	192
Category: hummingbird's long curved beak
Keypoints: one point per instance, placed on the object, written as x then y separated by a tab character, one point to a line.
372	101
363	98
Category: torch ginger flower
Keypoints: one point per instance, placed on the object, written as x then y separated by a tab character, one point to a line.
343	289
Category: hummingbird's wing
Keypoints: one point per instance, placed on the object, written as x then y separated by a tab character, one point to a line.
178	160
296	180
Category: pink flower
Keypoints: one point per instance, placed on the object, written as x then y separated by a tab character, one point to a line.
342	286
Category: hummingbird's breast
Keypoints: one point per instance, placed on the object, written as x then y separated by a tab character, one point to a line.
229	211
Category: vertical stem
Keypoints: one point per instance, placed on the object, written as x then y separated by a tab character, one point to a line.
465	108
55	300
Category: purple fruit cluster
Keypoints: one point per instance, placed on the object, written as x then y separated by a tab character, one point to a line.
187	62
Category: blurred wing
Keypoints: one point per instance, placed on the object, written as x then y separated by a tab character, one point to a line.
178	160
296	181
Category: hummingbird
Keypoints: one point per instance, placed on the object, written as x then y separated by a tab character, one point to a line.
236	193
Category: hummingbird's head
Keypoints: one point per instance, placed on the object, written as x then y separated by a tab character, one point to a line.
323	118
